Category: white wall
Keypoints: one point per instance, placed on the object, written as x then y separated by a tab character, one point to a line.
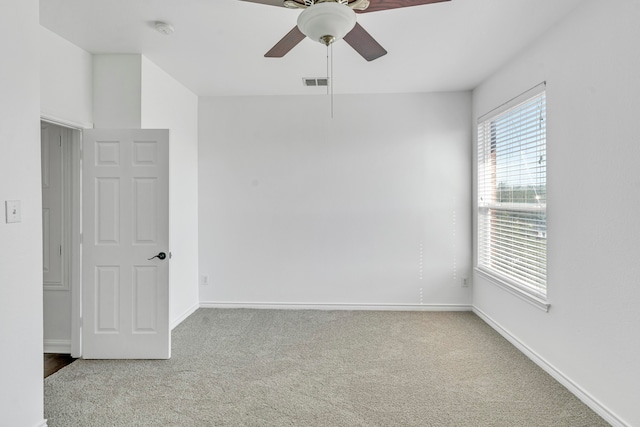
298	208
65	81
117	91
591	335
21	369
165	103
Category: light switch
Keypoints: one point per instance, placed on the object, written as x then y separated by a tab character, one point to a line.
12	210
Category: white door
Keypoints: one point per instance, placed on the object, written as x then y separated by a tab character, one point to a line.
125	277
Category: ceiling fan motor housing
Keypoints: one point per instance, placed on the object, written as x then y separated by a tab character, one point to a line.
327	22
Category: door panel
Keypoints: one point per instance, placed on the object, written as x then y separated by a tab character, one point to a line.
144	218
107	299
144	290
107	211
125	224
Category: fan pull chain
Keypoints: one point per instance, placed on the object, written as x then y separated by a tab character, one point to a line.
331	80
330	77
328	70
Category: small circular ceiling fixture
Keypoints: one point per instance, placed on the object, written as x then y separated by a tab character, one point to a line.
327	22
164	28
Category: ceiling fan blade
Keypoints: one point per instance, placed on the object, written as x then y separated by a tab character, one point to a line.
376	5
364	44
287	43
268	2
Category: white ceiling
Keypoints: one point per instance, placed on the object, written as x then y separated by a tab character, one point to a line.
218	45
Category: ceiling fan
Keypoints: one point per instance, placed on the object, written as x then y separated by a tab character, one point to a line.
327	21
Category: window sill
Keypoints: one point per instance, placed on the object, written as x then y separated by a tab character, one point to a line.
534	300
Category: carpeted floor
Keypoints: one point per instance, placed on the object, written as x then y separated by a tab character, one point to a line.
319	368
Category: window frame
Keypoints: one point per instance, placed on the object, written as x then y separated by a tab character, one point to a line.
535	294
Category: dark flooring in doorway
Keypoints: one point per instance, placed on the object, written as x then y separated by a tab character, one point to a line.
55	362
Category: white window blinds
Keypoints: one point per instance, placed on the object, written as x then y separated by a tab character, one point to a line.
512	194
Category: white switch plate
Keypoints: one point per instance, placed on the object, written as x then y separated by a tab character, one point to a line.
12	211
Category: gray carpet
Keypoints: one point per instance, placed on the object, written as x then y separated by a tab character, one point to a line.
318	368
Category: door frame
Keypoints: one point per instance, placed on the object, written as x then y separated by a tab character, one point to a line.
74	132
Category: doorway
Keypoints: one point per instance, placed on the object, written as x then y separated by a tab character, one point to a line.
132	310
60	156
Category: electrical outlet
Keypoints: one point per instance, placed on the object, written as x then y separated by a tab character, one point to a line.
205	280
465	282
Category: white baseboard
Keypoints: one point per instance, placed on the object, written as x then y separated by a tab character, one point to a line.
328	307
580	393
57	346
183	316
42	423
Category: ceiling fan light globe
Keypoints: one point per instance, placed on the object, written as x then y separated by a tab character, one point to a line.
326	19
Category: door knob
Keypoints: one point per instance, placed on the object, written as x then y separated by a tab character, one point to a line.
161	255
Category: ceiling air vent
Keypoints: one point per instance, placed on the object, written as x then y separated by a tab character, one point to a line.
315	81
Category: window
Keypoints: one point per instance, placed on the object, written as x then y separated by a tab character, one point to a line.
512	195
